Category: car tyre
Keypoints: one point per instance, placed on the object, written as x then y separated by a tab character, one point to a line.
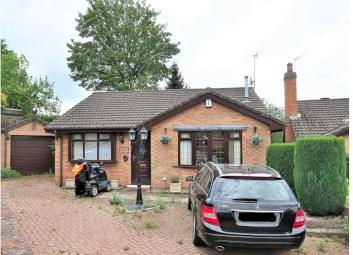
196	240
108	187
189	203
93	191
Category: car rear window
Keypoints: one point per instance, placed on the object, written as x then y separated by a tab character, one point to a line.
262	190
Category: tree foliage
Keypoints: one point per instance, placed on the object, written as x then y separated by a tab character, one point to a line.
273	110
21	91
122	47
320	174
175	79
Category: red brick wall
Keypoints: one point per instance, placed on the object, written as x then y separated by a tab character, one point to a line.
119	170
164	158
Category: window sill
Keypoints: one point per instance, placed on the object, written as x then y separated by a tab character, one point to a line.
191	167
96	161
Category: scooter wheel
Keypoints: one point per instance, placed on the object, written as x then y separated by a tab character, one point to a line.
94	191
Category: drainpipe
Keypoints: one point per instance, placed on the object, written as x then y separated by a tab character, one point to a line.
61	161
5	149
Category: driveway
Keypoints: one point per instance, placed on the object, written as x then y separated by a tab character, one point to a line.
44	219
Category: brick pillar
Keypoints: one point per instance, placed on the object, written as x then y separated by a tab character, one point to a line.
290	98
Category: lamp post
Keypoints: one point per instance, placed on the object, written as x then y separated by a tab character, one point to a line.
141	137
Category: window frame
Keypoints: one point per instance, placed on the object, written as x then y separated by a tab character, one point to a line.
240	138
112	139
226	138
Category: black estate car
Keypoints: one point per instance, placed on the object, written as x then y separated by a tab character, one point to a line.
249	206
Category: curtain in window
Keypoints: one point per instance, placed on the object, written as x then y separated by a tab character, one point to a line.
77	148
105	150
185	153
234	152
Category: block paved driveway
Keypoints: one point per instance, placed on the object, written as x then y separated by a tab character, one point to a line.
41	218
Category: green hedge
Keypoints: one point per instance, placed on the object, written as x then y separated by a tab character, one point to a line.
9	173
320	174
281	158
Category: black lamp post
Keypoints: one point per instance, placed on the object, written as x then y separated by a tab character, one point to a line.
141	137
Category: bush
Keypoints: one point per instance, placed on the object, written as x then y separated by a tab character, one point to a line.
116	199
9	173
320	174
281	158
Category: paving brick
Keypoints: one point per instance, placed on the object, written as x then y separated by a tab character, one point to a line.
40	218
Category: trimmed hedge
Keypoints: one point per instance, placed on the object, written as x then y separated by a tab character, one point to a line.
281	158
320	174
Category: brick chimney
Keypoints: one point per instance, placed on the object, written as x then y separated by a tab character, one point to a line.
290	101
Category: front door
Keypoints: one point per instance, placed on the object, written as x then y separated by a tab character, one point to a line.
141	157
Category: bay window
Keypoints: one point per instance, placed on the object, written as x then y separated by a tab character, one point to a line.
92	146
220	147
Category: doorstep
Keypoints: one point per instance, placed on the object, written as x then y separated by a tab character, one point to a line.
134	187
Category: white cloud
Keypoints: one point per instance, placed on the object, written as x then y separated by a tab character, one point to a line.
217	40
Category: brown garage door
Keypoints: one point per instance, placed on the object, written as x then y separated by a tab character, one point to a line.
31	154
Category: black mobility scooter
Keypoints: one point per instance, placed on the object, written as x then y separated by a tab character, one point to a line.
90	178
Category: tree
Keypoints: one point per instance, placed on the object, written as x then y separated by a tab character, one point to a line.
273	110
277	113
21	91
175	79
123	47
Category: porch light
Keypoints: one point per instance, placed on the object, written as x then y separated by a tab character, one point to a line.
132	134
143	134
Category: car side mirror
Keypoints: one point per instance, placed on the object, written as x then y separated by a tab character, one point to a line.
190	178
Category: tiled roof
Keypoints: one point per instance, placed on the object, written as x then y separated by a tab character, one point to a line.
320	117
127	109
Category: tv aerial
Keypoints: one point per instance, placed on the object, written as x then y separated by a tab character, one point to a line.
252	79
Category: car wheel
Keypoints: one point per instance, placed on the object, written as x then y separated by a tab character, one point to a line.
196	240
189	204
108	187
94	191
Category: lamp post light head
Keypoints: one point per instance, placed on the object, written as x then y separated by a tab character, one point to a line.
132	134
143	134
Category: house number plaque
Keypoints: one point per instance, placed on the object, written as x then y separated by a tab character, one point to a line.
124	149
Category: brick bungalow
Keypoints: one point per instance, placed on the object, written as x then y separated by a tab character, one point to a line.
322	116
203	124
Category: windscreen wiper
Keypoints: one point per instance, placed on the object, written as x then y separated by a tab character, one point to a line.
246	200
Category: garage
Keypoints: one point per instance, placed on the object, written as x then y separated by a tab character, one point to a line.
31	154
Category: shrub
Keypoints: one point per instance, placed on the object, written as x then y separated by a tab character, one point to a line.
116	199
149	223
159	204
281	158
320	174
9	173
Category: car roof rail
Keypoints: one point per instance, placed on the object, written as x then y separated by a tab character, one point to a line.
270	169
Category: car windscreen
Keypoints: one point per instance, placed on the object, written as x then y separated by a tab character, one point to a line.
251	189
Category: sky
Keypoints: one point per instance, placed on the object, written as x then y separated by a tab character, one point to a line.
217	39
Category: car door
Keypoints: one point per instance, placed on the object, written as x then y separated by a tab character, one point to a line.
200	192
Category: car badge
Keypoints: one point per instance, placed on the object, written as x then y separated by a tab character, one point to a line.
257	207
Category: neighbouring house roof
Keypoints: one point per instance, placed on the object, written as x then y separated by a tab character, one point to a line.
19	123
10	117
321	117
123	110
341	130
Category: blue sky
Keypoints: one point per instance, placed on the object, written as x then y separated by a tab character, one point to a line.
217	41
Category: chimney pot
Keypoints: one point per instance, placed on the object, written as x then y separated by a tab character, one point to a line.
289	68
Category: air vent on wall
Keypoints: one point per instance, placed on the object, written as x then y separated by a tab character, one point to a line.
208	103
